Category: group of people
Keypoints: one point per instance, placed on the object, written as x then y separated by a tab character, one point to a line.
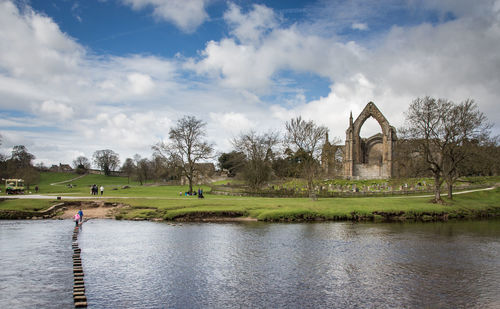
94	190
78	217
199	193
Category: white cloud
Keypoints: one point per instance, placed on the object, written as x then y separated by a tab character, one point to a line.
140	83
35	45
185	14
249	28
232	122
54	110
359	26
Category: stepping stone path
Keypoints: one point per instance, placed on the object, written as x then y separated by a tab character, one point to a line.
79	285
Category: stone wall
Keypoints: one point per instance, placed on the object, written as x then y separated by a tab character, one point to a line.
371	171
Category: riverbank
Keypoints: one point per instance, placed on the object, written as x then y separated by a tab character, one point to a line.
478	204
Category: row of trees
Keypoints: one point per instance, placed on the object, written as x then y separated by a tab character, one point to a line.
259	157
106	160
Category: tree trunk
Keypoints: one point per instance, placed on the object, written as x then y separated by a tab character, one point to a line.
190	185
450	191
437	189
310	187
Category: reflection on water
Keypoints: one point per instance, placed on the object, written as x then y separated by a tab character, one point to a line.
155	265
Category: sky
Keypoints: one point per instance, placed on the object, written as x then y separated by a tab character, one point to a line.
80	76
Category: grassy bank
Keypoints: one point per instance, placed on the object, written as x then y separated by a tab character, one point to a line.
472	205
22	209
26	205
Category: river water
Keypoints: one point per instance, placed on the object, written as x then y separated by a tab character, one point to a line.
314	265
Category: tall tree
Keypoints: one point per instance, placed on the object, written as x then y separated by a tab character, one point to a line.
186	147
425	121
107	160
257	149
21	157
305	138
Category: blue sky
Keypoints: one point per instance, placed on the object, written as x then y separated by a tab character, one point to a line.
79	76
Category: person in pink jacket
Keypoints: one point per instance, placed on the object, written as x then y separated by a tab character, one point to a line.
76	218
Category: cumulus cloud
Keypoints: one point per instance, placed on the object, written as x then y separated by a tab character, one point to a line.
187	15
250	27
247	64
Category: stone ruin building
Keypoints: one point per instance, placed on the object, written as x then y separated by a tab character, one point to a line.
362	158
372	157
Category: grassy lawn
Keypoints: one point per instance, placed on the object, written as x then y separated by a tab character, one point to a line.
81	186
278	209
153	201
26	205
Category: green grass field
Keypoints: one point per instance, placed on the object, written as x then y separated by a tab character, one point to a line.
153	201
49	183
26	205
291	209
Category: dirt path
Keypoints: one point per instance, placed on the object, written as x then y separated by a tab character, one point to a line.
69	180
91	211
444	193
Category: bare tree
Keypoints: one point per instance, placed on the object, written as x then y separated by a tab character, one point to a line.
441	131
187	146
107	160
257	150
306	137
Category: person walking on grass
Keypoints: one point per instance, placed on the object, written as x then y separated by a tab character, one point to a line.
102	190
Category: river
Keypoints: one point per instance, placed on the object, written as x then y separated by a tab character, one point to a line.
226	265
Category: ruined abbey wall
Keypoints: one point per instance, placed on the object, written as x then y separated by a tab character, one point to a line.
369	158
